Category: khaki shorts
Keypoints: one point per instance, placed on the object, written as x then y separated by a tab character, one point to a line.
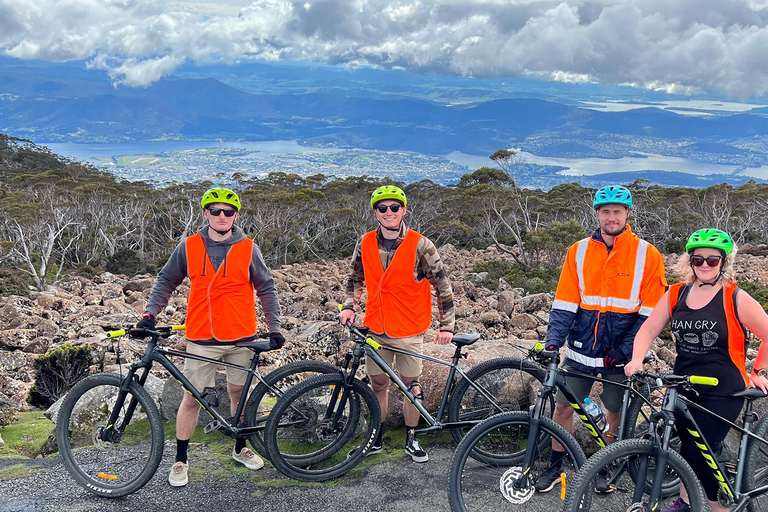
203	375
611	396
404	365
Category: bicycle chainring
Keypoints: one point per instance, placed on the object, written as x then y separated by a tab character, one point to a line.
508	489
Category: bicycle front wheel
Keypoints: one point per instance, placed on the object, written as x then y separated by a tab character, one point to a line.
109	460
500	484
631	486
314	434
264	397
500	385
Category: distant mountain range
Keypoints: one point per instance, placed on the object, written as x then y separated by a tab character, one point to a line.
365	109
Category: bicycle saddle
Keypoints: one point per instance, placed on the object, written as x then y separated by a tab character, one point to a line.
462	340
257	346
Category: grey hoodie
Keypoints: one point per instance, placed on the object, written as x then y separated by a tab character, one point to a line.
175	270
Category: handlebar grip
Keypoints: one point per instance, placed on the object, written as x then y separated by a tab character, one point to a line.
341	307
116	334
538	347
178	327
704	381
373	343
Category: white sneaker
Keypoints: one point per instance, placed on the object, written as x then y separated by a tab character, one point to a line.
248	459
178	475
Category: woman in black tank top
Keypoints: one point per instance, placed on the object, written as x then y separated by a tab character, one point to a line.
707	329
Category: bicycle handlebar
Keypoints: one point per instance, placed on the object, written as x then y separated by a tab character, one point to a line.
671	379
162	331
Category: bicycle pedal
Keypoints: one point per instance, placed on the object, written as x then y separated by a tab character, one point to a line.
212	426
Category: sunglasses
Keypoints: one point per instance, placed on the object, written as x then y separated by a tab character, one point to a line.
228	212
712	261
394	208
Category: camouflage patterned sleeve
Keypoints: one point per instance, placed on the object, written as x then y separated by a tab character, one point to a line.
430	266
356	278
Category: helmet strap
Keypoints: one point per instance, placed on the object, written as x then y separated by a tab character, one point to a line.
390	229
222	233
702	283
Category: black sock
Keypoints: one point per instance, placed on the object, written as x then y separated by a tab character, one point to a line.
239	444
379	436
556	458
181	450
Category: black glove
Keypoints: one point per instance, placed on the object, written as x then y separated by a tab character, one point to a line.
276	340
614	357
147	322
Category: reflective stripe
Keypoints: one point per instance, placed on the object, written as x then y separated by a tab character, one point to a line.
567	306
645	311
581	251
637	281
592	362
594	300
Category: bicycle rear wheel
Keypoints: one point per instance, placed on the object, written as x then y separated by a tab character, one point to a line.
511	382
109	460
478	486
311	435
631	492
264	397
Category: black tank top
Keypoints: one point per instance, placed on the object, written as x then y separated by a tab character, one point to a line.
701	339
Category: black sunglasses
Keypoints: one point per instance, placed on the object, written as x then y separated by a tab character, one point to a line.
393	207
228	212
712	261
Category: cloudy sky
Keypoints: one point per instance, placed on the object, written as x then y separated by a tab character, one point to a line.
710	46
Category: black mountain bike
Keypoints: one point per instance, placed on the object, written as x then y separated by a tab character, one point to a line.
504	479
743	483
324	426
110	432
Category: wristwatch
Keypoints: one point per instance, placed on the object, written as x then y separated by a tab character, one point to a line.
763	372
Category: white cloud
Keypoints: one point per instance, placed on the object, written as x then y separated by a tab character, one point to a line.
703	45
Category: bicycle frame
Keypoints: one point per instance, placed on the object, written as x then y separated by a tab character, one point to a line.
369	348
674	402
555	379
156	354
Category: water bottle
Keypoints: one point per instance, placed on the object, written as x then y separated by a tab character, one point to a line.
597	415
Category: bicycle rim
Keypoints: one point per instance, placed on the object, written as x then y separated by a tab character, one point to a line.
495	484
109	460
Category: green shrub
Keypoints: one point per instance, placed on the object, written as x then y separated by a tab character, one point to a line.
759	293
541	279
57	371
8	413
495	269
125	261
13	282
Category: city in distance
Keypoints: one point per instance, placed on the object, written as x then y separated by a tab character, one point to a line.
287	118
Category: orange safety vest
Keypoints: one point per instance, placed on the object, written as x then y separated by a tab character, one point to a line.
397	306
736	338
221	304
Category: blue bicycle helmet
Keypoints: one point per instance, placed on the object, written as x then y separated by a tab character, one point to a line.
613	194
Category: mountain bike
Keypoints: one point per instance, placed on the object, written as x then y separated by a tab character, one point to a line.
505	478
743	484
324	426
109	429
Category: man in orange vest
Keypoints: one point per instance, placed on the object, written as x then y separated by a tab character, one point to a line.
224	267
397	266
610	283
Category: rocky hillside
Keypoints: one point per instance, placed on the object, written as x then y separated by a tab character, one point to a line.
80	310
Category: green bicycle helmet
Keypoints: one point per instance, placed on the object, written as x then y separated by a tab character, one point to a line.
613	194
709	237
388	192
221	195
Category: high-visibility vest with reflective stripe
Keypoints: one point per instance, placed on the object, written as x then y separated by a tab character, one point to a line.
221	304
608	281
397	305
736	339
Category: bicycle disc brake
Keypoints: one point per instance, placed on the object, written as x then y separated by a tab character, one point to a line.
508	489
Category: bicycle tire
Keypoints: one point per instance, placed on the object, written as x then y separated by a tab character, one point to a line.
108	468
264	396
476	486
298	441
513	380
638	422
580	495
756	468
